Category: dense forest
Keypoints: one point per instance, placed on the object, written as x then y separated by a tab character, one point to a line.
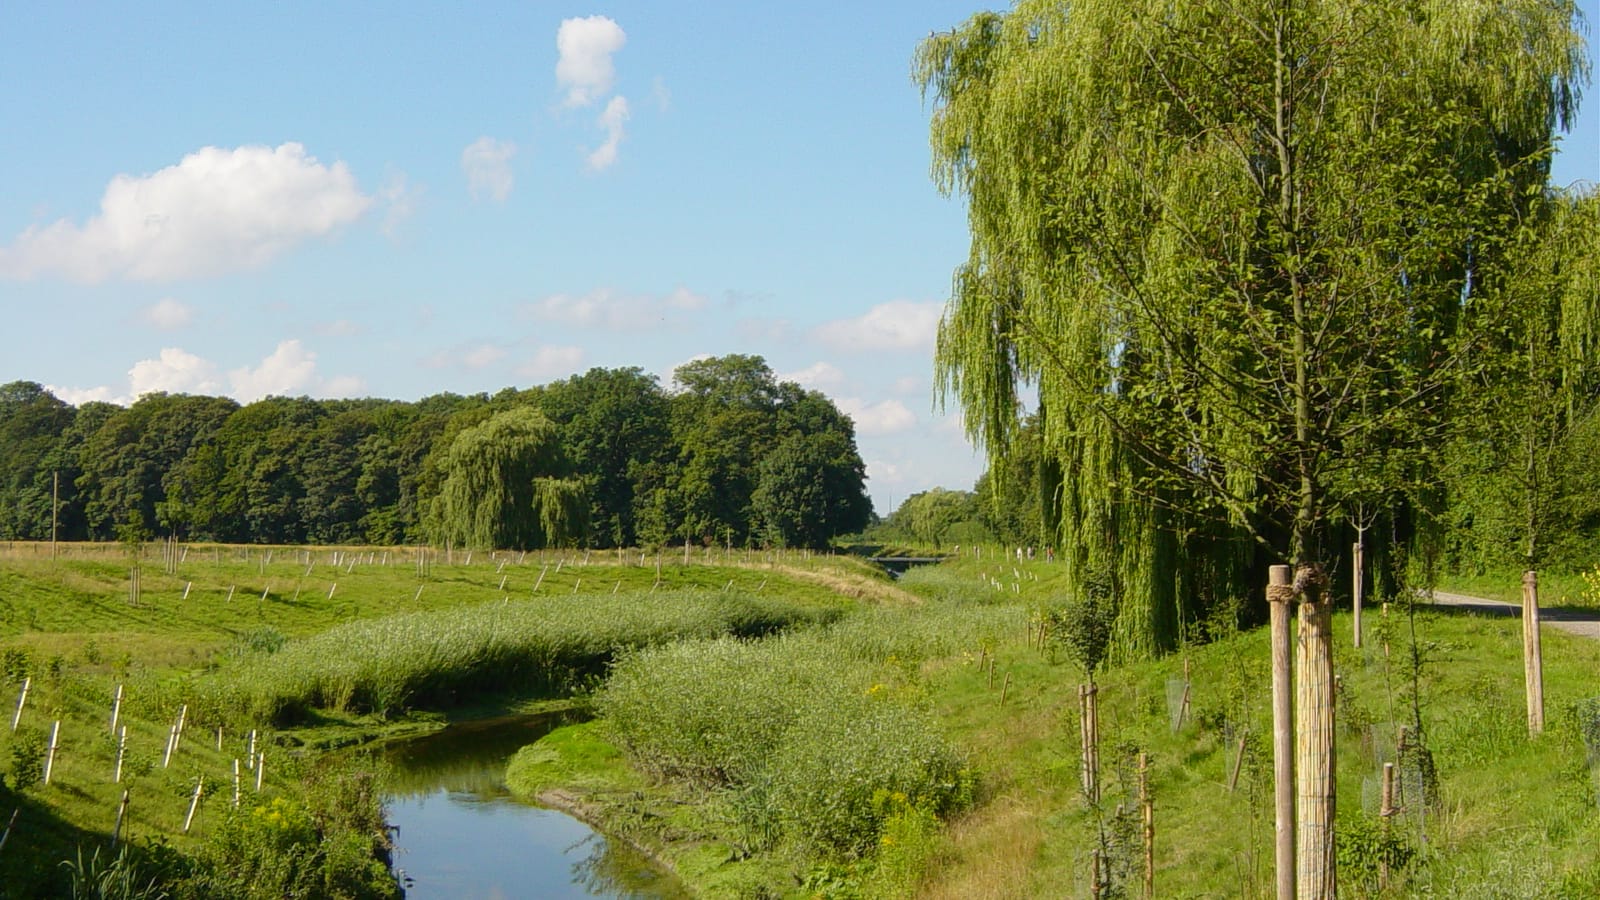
607	458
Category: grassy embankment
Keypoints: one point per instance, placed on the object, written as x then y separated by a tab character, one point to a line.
361	644
1506	815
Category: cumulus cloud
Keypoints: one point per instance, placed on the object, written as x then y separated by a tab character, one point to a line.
886	417
583	61
896	325
547	363
175	371
472	357
167	314
218	210
80	396
290	369
818	376
487	164
613	120
607	309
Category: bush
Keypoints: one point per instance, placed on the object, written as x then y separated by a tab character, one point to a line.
811	738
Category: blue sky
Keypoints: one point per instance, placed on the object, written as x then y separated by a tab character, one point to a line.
397	199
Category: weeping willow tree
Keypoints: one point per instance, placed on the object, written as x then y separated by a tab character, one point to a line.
1521	471
505	486
1234	246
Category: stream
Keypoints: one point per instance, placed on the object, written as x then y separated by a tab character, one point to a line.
460	833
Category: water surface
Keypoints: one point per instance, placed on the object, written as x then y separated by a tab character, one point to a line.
462	835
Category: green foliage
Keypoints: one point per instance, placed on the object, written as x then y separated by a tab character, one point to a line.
28	748
809	489
810	732
333	844
506	487
1084	626
1245	263
542	647
110	878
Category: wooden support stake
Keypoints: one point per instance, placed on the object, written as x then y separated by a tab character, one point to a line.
193	802
252	752
1148	809
1280	593
6	835
50	757
261	768
22	699
122	812
1532	658
122	751
172	738
1238	763
1358	586
991	677
236	782
1386	812
1315	871
1005	688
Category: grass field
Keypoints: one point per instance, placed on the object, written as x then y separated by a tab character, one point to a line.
1506	816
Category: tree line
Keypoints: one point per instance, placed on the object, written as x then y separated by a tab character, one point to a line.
606	458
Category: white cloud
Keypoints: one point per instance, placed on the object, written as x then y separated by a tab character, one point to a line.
344	386
886	417
174	371
613	120
552	362
896	325
218	210
660	94
167	314
819	376
583	63
291	369
80	396
607	309
487	164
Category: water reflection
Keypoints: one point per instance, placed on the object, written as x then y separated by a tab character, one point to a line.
461	834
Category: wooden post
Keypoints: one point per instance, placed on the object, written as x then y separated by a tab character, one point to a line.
116	709
1532	659
1358	586
1316	873
1238	763
50	757
1385	813
193	802
261	768
1149	811
55	509
1005	688
6	835
22	699
1280	593
122	811
236	782
122	750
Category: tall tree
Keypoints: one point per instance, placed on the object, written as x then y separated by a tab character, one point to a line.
1516	488
1236	249
810	489
507	486
615	427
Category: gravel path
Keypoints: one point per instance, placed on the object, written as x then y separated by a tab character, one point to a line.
1584	622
